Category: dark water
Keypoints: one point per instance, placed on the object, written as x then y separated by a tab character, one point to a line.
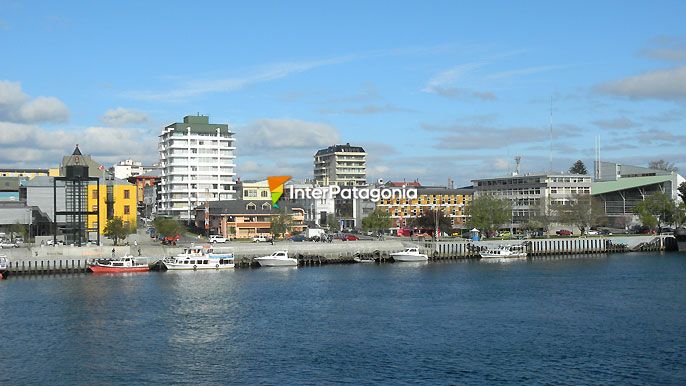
619	319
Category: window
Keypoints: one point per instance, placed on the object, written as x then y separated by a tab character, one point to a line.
126	209
94	194
264	193
127	194
251	206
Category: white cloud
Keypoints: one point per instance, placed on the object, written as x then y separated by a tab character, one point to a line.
669	48
44	109
523	71
665	84
122	117
16	106
616	123
501	164
287	133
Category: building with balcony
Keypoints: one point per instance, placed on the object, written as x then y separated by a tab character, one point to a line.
341	165
197	160
130	168
244	219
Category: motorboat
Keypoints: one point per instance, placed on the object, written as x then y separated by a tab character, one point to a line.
277	259
195	258
126	263
409	254
504	251
3	266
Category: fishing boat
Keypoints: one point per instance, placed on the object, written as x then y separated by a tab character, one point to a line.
409	254
123	264
504	251
196	258
277	259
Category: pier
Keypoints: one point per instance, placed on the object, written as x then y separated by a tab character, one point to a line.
47	260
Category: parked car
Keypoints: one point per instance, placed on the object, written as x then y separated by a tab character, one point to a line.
593	232
505	234
171	240
350	238
259	239
217	239
298	238
564	232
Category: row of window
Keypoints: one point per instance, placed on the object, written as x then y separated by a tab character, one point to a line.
127	194
571	190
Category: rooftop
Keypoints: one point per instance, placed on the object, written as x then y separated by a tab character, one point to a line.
341	148
627	183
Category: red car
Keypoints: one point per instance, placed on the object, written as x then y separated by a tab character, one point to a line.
564	232
350	238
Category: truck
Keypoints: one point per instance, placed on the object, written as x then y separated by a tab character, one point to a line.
314	233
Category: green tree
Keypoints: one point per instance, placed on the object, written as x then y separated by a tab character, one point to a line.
656	210
280	222
432	219
488	213
377	221
578	168
332	223
21	229
167	227
232	232
682	191
116	230
582	211
680	215
541	216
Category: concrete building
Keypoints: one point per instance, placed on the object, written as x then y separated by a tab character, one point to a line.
21	172
620	187
316	211
130	168
528	192
341	165
197	159
253	190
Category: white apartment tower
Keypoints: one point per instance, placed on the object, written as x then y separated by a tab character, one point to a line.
197	160
341	165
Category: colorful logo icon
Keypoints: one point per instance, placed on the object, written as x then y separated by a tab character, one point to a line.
276	187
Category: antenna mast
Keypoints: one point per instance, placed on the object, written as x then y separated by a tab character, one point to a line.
551	134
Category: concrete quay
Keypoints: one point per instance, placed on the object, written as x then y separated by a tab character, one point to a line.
70	259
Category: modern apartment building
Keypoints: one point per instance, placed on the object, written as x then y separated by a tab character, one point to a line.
130	168
197	159
341	165
528	192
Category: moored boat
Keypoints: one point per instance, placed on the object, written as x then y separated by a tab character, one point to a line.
277	259
504	251
3	266
363	259
195	258
117	265
409	254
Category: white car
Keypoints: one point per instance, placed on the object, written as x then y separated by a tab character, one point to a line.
259	239
217	239
593	233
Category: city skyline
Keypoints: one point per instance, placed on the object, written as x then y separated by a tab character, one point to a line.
434	92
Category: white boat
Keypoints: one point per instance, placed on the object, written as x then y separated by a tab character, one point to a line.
364	259
195	258
126	263
409	254
277	259
3	263
504	251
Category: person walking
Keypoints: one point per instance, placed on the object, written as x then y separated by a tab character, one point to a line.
113	253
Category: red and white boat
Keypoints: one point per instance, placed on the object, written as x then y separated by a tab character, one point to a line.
122	264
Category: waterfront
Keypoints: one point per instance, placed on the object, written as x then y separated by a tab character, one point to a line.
597	319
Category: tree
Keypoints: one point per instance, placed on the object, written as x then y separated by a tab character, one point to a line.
231	231
280	223
430	218
21	229
656	210
663	165
167	227
377	221
332	222
682	191
488	213
543	214
116	230
680	215
582	211
578	168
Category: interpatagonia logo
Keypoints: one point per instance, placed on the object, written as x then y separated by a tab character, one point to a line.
276	187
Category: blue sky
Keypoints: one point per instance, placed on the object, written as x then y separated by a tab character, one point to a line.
432	90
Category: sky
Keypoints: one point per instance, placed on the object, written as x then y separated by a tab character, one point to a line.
431	89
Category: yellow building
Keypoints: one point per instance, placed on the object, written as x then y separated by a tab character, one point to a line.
30	173
449	201
116	199
254	190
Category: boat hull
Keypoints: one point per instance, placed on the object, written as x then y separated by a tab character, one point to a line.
409	258
197	267
270	262
485	255
103	269
359	260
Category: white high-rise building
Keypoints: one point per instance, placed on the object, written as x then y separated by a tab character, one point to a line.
341	165
197	159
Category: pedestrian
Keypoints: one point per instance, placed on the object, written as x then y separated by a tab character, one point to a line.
139	251
113	253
